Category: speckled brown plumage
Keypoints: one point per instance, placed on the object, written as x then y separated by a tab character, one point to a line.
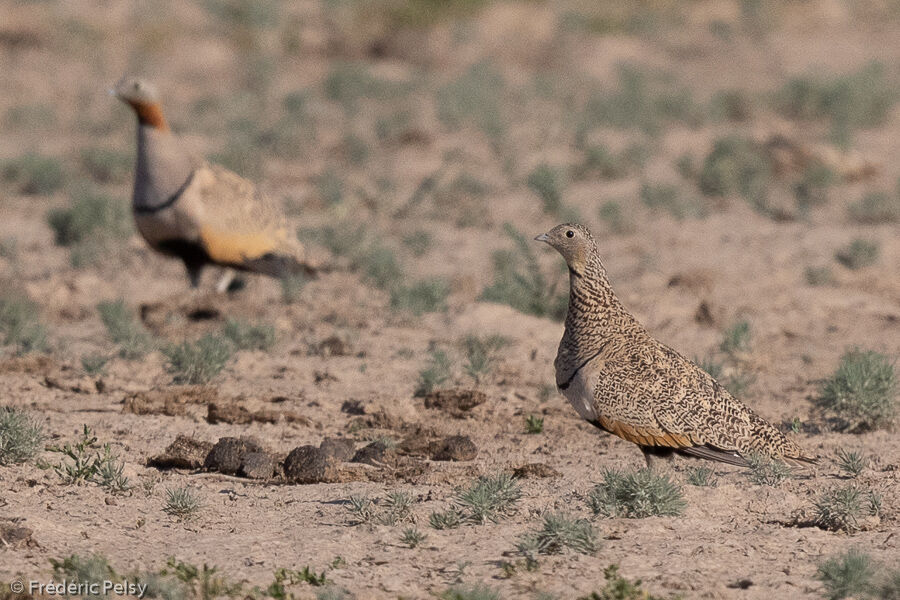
622	380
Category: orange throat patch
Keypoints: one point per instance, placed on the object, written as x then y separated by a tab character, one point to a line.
150	113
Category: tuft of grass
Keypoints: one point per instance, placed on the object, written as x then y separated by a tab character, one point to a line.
110	473
669	198
851	575
876	208
474	99
489	499
362	508
850	462
90	214
331	188
106	165
448	519
349	83
435	374
738	383
427	295
419	242
86	465
182	503
812	189
858	100
547	183
620	588
199	361
636	494
736	338
94	568
519	282
600	160
255	15
840	508
291	287
124	329
559	532
394	509
34	174
819	275
287	577
862	392
471	592
710	365
737	165
534	424
93	364
612	213
412	537
21	436
202	582
481	354
20	324
701	476
858	254
767	471
246	336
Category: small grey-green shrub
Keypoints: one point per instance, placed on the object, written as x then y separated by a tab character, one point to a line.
90	214
199	361
94	364
737	165
427	295
182	503
858	254
876	208
812	189
489	499
481	354
448	519
534	424
615	217
560	532
418	242
736	338
841	508
519	282
850	462
851	575
21	436
246	336
862	392
636	494
291	286
435	374
546	182
34	174
106	165
471	592
670	198
20	324
124	329
819	275
412	537
701	476
362	508
765	470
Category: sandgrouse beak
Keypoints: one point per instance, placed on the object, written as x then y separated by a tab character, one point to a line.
543	238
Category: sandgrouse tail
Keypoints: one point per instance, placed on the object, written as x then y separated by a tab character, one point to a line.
625	382
198	212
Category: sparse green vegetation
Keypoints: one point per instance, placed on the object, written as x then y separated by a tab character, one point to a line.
198	361
481	354
87	465
737	165
92	225
435	374
488	499
93	364
671	199
182	503
858	100
412	537
448	519
812	189
701	476
636	494
850	462
124	329
20	323
418	242
858	254
474	99
519	282
546	182
34	174
841	508
426	295
331	188
851	575
612	213
288	577
876	208
819	275
736	338
21	436
471	592
247	336
619	588
291	287
534	424
560	532
767	471
862	392
106	165
396	508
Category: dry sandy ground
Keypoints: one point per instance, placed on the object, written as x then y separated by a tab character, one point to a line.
741	264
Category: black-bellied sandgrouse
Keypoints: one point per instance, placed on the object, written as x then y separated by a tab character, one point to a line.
625	382
199	212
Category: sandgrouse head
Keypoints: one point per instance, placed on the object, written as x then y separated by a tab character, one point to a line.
574	242
143	97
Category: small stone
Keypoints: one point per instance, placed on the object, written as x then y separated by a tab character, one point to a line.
110	501
228	453
377	454
535	471
456	448
456	402
341	449
308	464
257	465
184	453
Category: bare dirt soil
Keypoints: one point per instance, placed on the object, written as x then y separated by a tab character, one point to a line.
372	151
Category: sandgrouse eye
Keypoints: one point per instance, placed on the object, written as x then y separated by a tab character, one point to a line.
570	233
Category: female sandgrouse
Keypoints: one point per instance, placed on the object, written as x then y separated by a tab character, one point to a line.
625	382
198	212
